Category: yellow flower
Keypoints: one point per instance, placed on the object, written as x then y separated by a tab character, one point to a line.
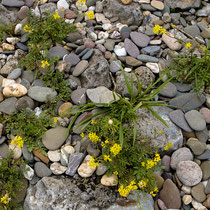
115	173
157	157
106	141
159	29
92	122
188	45
103	145
173	26
150	164
92	163
160	132
168	146
152	193
5	199
27	28
55	119
93	137
44	63
90	14
82	135
107	158
143	164
115	149
124	191
163	31
56	15
82	1
142	184
18	141
203	48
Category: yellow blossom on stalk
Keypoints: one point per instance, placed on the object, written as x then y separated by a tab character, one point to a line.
90	14
92	122
124	191
142	184
45	63
173	26
188	45
115	173
103	145
107	158
157	157
115	149
163	31
5	199
168	146
203	48
18	141
82	1
153	193
150	164
82	135
92	163
159	29
106	141
93	137
56	15
160	132
55	119
27	28
143	164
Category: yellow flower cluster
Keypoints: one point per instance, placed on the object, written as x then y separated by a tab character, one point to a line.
153	193
168	146
107	158
27	28
151	163
82	1
92	122
142	184
92	163
124	191
115	149
44	64
56	15
188	45
18	141
115	173
5	199
90	14
93	137
159	29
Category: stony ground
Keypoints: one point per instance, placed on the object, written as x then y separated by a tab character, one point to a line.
122	30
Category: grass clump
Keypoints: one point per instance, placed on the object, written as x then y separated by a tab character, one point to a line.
6	31
30	127
10	184
113	130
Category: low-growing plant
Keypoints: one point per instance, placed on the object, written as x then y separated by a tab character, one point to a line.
30	127
6	31
43	32
10	184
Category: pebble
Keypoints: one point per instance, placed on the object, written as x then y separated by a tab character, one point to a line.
198	192
64	108
196	146
24	102
195	120
187	199
56	51
132	61
41	94
78	96
72	58
171	42
85	170
169	90
14	74
189	173
80	67
151	50
131	48
119	50
88	54
62	4
23	12
4	150
12	3
140	39
181	154
205	112
109	180
147	58
101	169
7	47
28	156
28	172
17	152
170	195
205	167
54	138
125	32
157	4
16	90
54	156
8	105
57	168
198	206
101	94
42	170
154	67
115	66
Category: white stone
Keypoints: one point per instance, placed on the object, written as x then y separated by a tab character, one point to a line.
126	69
186	189
17	152
156	42
28	172
103	35
68	149
119	51
54	156
99	17
92	8
92	35
12	40
120	25
62	4
16	90
107	26
154	67
7	82
115	35
187	199
198	206
143	1
85	170
109	180
18	28
171	42
57	168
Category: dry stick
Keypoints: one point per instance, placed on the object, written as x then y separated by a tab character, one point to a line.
115	86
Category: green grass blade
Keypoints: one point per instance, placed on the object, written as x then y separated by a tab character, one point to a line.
134	132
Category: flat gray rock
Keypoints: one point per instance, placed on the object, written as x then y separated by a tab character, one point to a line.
41	94
140	39
169	90
78	96
151	50
8	105
195	120
57	51
14	74
12	3
42	170
4	150
131	48
80	67
147	58
72	58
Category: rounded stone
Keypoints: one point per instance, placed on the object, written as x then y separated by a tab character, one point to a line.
23	12
54	138
140	39
17	152
157	4
195	120
42	170
198	192
16	90
205	112
169	90
196	146
24	102
54	156
57	168
205	167
109	180
189	173
80	67
171	42
131	48
64	108
179	155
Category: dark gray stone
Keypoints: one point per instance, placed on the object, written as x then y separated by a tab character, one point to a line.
140	39
8	105
202	135
151	50
4	150
78	96
169	90
21	46
28	156
73	37
72	58
147	58
182	87
24	102
42	170
204	156
57	51
125	32
14	74
28	75
131	48
12	3
115	66
88	54
75	160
